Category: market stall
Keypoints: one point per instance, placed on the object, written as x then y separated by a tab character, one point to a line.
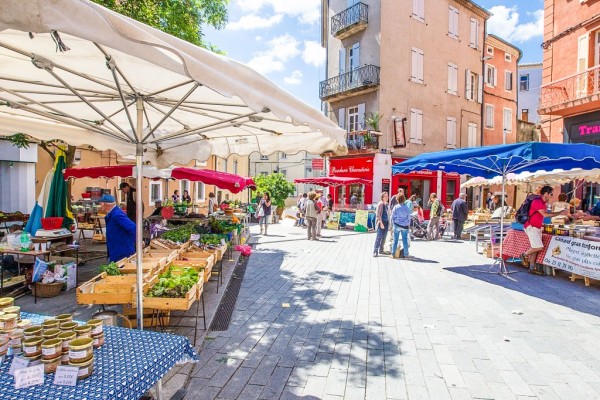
126	365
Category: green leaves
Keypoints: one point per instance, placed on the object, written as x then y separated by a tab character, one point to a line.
110	269
19	140
276	185
175	283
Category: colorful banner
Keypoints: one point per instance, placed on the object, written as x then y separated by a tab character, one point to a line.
333	222
361	222
578	256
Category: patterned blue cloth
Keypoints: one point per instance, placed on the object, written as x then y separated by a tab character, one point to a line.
128	364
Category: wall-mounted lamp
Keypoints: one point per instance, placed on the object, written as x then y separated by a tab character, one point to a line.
486	58
11	164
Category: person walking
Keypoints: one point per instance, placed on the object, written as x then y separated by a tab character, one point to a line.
120	230
311	216
382	224
460	212
302	208
436	211
401	220
130	200
533	226
320	212
264	213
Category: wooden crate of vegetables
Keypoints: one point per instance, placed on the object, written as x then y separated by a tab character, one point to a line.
176	289
199	258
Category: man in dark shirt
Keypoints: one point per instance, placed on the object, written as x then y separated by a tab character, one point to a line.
130	193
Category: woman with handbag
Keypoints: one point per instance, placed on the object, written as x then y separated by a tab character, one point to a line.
264	212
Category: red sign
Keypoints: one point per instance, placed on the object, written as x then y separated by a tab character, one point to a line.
356	167
318	164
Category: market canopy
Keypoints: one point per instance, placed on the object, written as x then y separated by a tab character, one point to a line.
500	160
334	181
86	71
223	180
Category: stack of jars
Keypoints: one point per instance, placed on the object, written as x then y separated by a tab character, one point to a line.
11	326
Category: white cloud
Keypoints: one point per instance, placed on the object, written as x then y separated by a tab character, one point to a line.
294	79
252	21
313	53
281	49
505	23
307	11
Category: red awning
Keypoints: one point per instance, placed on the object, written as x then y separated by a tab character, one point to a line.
233	183
334	181
223	180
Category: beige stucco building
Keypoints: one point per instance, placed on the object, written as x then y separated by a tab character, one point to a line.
415	63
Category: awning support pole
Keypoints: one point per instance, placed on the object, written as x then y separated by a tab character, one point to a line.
139	247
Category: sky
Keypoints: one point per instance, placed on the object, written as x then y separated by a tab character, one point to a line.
281	38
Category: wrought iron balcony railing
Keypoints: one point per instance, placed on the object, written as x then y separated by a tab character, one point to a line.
358	14
582	86
362	140
357	79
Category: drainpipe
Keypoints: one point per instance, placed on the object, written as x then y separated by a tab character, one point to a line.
483	79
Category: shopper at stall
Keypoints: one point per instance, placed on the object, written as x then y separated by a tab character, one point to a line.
158	207
436	211
354	200
460	212
130	202
533	226
401	221
311	216
175	196
490	201
186	197
264	213
212	203
302	208
382	224
120	231
320	205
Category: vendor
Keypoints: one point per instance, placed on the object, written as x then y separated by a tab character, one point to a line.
120	230
158	208
130	195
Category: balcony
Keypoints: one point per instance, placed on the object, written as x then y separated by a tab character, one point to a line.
362	142
350	21
360	80
573	94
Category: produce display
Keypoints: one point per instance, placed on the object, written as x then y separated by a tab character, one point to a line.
174	283
111	269
181	234
214	239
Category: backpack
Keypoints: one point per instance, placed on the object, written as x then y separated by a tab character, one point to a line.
522	215
440	210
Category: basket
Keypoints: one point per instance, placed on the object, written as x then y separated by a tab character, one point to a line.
52	223
47	289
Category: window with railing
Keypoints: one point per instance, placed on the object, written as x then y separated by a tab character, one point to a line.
358	78
354	14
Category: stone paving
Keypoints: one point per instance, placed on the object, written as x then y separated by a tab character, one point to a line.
359	327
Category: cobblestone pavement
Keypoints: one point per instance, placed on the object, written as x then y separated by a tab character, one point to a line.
359	327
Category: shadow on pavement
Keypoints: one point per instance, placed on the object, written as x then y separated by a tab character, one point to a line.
554	289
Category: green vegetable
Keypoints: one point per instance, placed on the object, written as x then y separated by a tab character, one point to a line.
110	269
174	283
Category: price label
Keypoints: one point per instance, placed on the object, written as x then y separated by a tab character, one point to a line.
66	376
17	363
194	237
29	376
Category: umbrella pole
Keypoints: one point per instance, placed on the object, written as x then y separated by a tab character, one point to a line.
502	270
139	218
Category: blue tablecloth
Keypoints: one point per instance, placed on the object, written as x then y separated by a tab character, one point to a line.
128	364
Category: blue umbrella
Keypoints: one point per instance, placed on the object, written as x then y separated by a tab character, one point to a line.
500	160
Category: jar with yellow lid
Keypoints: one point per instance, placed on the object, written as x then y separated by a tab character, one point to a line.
80	350
86	368
66	338
8	322
51	333
68	326
50	364
32	331
83	331
32	346
51	348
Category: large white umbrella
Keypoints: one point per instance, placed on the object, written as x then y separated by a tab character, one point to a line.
75	71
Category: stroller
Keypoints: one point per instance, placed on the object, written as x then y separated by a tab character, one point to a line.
417	228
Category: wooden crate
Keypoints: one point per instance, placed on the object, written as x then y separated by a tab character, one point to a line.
131	314
105	289
166	303
147	267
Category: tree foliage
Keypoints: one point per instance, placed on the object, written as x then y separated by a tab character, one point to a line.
180	18
276	185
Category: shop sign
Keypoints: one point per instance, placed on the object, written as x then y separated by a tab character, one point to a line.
399	132
355	167
583	128
578	256
318	164
333	222
361	221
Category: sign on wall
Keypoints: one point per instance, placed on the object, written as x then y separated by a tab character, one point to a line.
578	256
318	164
399	132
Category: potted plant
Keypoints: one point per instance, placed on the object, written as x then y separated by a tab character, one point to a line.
278	188
372	119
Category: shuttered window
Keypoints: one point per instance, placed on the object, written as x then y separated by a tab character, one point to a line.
417	65
416	125
452	79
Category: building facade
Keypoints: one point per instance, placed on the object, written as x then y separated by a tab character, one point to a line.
403	78
528	84
499	91
570	95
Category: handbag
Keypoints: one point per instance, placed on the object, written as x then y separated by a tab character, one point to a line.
261	211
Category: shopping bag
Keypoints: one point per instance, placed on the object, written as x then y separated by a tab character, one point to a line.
38	270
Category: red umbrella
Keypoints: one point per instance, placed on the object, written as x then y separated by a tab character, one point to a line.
334	181
233	183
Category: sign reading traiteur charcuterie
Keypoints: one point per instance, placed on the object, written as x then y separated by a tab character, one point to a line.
578	256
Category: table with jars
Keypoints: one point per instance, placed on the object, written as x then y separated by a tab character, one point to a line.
110	362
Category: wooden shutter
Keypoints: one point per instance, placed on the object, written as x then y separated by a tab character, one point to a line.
468	87
480	89
342	118
361	116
